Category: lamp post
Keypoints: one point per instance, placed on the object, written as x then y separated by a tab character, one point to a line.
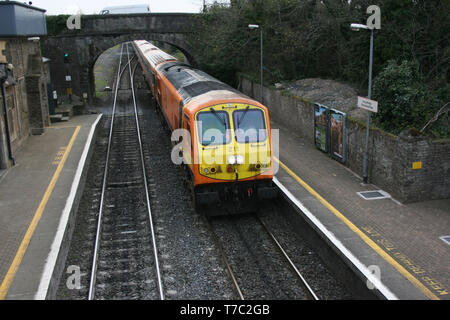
256	26
357	27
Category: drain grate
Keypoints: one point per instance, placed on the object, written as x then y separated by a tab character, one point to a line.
374	195
446	239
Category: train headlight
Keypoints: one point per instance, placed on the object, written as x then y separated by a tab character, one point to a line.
231	160
206	170
240	159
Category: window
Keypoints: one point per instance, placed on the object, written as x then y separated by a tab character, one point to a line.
250	126
213	128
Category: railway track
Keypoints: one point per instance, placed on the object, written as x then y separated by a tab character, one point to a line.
125	261
250	251
116	215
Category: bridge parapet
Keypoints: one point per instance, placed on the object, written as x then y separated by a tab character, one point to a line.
131	23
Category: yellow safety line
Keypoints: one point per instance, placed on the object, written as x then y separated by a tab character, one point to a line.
7	281
361	234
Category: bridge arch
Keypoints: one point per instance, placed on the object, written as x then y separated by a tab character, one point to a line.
99	33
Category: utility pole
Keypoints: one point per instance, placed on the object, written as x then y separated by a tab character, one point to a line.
256	26
373	22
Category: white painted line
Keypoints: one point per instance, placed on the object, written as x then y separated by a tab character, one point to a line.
4	175
383	195
57	241
339	245
446	239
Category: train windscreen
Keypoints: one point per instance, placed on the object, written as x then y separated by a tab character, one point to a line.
213	128
250	126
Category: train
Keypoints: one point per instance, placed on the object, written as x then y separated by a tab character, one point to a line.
221	136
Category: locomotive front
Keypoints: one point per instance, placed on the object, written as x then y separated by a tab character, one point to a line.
234	155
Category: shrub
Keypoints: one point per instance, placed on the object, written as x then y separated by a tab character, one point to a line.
402	97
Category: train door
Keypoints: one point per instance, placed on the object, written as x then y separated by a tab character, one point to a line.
158	90
153	84
187	141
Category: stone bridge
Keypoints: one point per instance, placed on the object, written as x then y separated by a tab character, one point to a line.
101	32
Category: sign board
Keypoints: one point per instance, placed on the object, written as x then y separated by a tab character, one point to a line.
68	78
368	104
417	165
55	95
3	52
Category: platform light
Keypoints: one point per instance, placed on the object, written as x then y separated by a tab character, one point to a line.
357	27
253	27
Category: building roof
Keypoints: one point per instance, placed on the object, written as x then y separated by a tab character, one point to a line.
21	4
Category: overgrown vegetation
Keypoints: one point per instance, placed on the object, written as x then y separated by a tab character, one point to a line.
406	100
312	38
56	24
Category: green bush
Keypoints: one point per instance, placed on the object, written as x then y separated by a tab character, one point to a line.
405	101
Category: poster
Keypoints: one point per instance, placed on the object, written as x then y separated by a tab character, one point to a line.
321	127
337	134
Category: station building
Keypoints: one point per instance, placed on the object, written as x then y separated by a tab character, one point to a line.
24	75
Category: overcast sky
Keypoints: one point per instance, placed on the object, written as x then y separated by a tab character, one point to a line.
95	6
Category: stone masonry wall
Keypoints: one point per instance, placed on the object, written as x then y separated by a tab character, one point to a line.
26	100
391	157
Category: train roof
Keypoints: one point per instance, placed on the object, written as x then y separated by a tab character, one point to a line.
191	82
153	54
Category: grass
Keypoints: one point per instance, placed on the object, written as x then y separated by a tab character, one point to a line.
100	84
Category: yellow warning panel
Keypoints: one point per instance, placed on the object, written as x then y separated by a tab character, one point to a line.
69	91
417	165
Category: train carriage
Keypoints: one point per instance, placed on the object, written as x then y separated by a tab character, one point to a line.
226	143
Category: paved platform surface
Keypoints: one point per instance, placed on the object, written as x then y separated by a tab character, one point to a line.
33	195
403	240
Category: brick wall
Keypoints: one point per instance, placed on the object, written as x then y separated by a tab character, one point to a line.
391	157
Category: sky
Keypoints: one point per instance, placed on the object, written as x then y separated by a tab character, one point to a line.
94	7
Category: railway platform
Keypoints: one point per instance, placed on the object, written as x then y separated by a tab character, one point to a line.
398	244
36	198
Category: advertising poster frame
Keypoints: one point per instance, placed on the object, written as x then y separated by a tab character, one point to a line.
337	134
321	127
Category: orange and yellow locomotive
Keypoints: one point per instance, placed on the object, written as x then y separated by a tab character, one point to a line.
224	137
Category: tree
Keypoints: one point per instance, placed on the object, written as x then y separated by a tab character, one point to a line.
312	38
